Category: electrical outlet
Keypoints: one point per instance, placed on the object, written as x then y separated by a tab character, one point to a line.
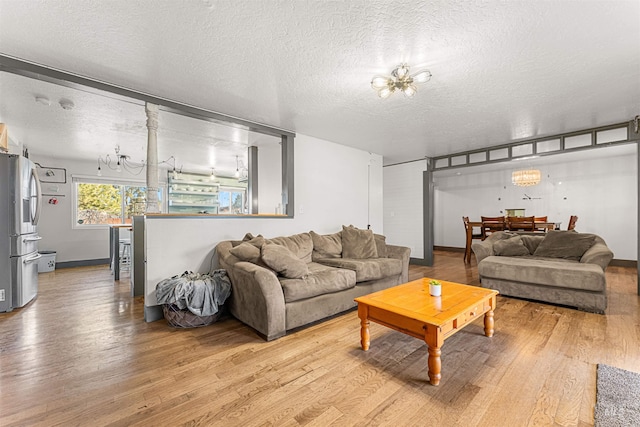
2	297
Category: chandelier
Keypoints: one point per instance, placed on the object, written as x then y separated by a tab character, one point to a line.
525	178
400	80
122	162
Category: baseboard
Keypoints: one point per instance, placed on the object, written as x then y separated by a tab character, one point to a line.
624	263
418	261
153	313
448	249
83	263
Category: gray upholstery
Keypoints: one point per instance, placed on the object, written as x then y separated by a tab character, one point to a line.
366	269
273	304
577	283
321	280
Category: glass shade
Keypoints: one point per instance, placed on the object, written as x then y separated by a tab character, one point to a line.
385	92
379	82
422	76
401	72
409	90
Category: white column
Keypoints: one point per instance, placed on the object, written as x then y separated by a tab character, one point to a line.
152	158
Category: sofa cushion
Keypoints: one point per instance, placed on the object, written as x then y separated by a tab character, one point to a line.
358	244
531	242
367	269
320	280
283	261
300	244
246	252
326	246
381	245
510	247
556	272
564	244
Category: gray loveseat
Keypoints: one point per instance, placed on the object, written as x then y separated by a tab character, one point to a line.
287	282
561	267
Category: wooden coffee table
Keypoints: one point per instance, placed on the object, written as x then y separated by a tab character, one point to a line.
410	309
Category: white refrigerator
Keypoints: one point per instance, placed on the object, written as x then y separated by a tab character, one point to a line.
20	204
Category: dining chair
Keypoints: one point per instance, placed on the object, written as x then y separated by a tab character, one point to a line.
491	224
469	237
541	219
572	222
521	223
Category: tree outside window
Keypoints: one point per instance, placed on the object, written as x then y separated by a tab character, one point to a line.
106	204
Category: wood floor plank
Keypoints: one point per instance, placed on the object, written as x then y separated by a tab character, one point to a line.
81	354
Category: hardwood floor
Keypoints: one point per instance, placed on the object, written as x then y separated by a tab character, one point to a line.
81	354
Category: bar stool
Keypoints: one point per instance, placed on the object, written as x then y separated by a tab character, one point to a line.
125	254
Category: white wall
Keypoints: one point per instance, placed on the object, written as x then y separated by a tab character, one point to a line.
334	185
403	205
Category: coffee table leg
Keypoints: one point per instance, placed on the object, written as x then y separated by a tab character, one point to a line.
488	323
363	311
435	365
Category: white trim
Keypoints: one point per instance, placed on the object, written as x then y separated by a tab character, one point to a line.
93	179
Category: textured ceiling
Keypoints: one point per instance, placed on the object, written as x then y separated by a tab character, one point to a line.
502	71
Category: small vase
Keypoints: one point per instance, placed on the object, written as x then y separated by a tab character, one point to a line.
435	290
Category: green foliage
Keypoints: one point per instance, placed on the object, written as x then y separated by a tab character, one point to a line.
99	203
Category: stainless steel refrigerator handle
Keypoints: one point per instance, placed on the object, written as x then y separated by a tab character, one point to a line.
32	258
32	239
36	217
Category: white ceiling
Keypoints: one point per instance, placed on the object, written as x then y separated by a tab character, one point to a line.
502	71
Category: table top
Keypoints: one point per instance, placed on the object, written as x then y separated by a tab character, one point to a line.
413	300
538	223
121	226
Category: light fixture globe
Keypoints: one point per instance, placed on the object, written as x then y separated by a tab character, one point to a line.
400	80
380	82
400	72
421	76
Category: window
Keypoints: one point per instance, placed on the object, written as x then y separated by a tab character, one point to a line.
232	201
105	202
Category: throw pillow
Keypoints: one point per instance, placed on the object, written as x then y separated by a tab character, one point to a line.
381	245
283	261
358	244
246	252
564	244
327	246
257	241
510	247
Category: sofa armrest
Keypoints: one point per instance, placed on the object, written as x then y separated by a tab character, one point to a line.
482	249
598	254
402	253
257	299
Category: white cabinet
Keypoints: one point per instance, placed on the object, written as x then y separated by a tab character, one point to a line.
192	193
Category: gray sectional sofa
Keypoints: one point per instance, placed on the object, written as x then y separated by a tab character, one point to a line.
561	267
283	283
